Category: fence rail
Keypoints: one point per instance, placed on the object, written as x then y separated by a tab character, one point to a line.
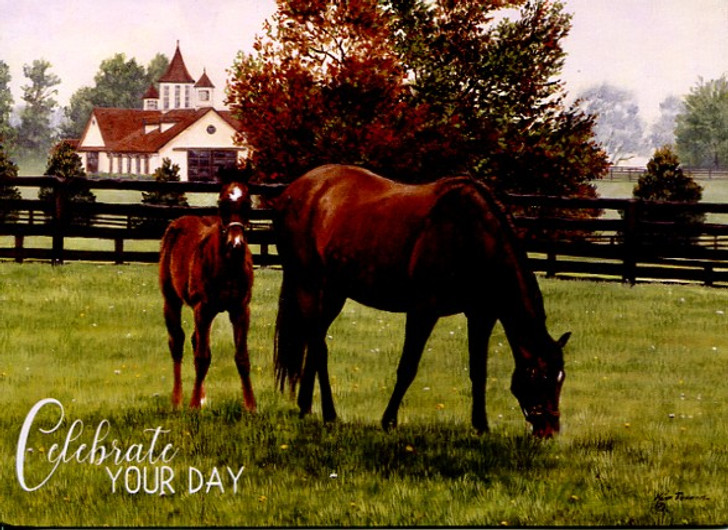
633	173
561	241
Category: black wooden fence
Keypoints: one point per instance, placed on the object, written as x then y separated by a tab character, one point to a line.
51	224
619	243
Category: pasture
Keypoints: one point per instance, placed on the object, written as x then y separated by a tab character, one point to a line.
643	438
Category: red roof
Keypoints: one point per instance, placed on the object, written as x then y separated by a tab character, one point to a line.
124	130
177	71
151	93
204	81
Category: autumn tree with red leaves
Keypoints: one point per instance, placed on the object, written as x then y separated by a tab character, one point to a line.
416	90
325	86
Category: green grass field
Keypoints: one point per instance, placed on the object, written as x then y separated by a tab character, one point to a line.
644	432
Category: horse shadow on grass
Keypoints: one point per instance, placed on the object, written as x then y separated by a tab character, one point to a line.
418	450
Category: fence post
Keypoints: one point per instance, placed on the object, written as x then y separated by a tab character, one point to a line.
631	241
550	264
60	211
19	254
119	250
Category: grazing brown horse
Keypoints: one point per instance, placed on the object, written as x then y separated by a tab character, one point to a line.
428	251
206	263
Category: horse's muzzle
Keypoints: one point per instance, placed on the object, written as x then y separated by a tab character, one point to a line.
545	422
235	236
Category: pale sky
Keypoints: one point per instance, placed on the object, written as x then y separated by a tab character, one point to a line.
654	48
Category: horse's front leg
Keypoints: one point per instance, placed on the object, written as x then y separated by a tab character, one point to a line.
479	331
240	320
417	331
201	346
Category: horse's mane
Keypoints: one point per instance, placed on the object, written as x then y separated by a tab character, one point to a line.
509	233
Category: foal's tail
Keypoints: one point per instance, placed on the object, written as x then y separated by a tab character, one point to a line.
290	339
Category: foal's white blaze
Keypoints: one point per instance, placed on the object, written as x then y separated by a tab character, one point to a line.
236	194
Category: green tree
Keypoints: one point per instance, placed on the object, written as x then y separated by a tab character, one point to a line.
155	69
499	82
35	132
7	131
665	181
8	169
121	82
65	163
701	134
118	83
78	112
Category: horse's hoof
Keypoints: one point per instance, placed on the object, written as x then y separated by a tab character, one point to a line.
197	403
329	415
176	399
389	423
481	429
251	406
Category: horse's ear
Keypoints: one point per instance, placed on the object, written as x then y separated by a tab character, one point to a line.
564	339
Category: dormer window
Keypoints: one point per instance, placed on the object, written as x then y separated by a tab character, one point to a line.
204	95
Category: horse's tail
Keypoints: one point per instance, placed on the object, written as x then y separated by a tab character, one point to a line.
290	342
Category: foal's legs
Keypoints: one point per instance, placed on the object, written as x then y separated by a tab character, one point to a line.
320	312
240	320
173	319
479	330
201	346
417	331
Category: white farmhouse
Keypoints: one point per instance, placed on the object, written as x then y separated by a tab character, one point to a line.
178	122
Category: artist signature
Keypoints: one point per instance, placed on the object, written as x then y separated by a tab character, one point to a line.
662	499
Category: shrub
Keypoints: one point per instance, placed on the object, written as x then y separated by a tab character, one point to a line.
65	163
8	169
665	181
168	172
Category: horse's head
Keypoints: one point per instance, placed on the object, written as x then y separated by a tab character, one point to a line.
234	208
537	386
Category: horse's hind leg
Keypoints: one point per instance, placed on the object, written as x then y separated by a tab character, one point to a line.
321	310
201	345
418	329
173	320
331	308
241	322
479	330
